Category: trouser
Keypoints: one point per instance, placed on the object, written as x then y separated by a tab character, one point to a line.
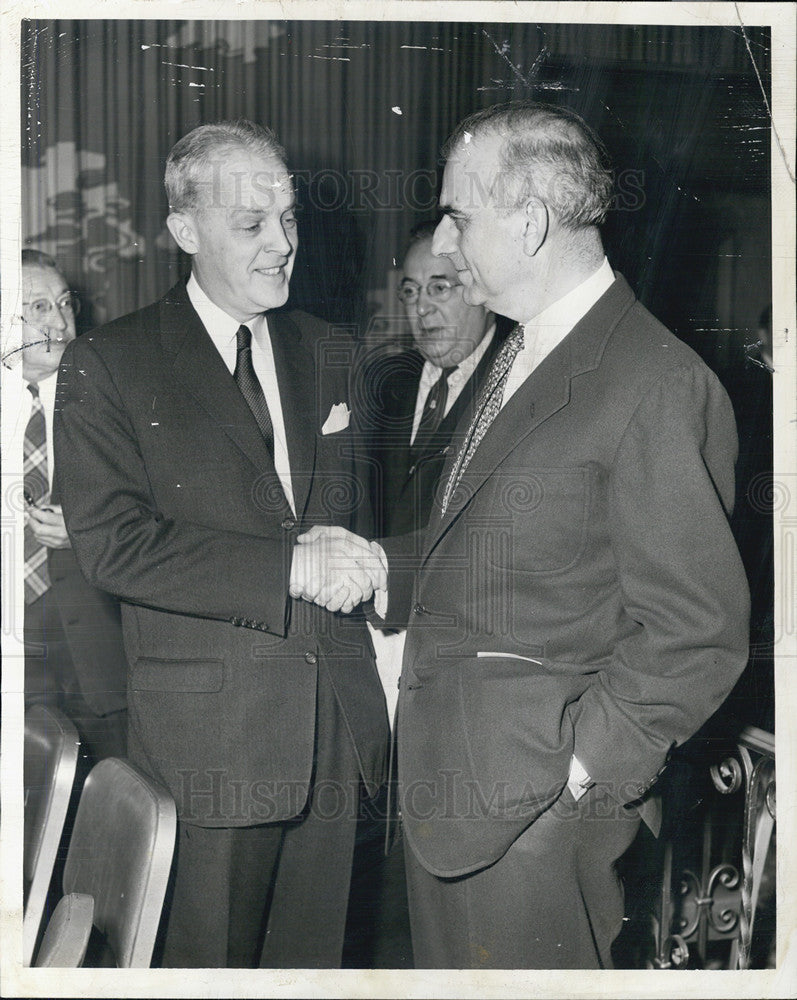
273	895
51	679
553	901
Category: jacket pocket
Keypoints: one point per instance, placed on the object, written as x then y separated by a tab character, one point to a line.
153	674
485	654
538	519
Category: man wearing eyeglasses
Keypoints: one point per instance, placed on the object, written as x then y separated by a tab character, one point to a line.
421	394
74	656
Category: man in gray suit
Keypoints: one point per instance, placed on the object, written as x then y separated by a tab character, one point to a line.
578	605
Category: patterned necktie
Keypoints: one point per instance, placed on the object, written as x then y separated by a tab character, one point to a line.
250	386
36	484
434	409
487	408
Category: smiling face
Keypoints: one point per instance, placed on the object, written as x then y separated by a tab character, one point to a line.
44	339
483	240
444	332
242	237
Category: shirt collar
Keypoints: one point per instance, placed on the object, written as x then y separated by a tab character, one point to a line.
464	370
563	314
222	327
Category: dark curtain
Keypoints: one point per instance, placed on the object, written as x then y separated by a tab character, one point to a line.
362	108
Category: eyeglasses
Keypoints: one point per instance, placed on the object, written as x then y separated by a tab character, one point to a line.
438	290
39	310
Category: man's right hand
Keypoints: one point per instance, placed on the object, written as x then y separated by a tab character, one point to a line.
336	569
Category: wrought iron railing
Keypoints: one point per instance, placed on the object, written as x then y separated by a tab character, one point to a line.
716	877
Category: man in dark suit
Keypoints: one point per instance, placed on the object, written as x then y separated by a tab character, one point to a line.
418	396
74	655
197	437
578	605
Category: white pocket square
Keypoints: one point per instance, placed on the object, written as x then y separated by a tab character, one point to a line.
338	419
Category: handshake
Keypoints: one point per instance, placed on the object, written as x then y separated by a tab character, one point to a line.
336	569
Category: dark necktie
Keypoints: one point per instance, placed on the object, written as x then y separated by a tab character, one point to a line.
488	405
434	409
250	386
36	485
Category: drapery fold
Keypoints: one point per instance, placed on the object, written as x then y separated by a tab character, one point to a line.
362	108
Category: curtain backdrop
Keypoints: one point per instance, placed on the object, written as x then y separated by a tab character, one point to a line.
363	108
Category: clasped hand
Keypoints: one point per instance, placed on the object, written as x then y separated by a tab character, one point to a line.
47	525
336	569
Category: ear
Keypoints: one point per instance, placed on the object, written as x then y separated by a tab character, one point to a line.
536	222
182	228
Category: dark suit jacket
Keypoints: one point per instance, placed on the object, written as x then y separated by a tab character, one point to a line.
405	478
583	594
172	503
93	627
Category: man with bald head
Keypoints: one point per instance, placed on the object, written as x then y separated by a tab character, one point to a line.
577	605
198	437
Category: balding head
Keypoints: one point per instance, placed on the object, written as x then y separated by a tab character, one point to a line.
48	313
547	152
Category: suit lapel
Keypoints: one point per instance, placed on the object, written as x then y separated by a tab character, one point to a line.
470	389
199	366
544	393
296	376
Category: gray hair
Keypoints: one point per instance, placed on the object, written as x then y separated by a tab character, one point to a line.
190	157
547	152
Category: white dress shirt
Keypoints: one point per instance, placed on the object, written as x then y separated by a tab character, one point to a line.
545	331
456	380
223	330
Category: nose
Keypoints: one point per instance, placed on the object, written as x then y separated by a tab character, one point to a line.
443	241
424	304
60	317
275	239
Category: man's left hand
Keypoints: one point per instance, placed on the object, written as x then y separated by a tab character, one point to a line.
47	524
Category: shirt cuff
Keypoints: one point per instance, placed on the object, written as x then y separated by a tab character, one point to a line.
380	594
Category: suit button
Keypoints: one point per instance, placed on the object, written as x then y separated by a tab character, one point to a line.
419	609
288	524
310	657
411	470
235	621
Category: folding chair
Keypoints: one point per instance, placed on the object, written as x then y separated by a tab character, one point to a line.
120	854
50	760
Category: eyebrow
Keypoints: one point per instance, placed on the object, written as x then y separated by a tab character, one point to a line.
246	213
257	213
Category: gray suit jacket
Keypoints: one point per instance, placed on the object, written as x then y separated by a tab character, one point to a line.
583	593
